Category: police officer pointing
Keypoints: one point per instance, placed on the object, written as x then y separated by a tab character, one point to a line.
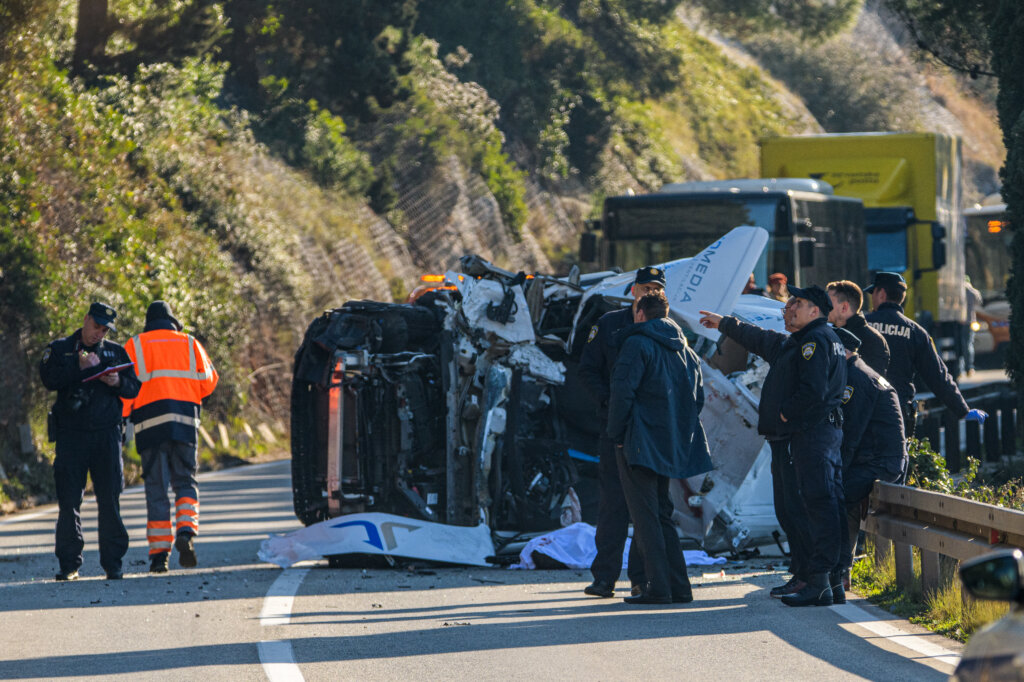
799	403
596	365
87	413
911	350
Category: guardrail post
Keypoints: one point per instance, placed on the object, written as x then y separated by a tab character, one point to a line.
952	425
1007	425
993	448
904	557
883	548
973	434
929	430
931	573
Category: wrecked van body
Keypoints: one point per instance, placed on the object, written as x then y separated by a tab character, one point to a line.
465	407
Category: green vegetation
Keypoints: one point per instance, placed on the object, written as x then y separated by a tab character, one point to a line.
241	158
945	611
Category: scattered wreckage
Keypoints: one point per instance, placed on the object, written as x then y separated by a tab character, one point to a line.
464	408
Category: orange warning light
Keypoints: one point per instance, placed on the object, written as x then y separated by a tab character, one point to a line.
996	226
432	278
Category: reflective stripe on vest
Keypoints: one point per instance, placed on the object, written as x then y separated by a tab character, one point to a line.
190	373
163	419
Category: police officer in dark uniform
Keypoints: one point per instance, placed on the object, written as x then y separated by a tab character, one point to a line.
874	447
87	416
799	405
911	350
847	299
596	365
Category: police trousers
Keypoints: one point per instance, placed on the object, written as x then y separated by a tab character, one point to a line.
96	454
788	509
857	484
819	475
613	524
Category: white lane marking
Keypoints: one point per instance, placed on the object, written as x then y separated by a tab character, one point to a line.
276	655
883	629
135	490
277	605
279	662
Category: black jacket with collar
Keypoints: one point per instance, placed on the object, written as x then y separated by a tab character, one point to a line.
806	379
86	405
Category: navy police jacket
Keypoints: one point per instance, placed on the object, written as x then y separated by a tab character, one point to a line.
873	433
874	350
806	377
657	393
911	351
90	405
599	354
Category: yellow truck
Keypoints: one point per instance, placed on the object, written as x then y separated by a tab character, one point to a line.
910	184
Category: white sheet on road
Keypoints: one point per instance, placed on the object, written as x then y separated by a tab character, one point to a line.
574	546
383	534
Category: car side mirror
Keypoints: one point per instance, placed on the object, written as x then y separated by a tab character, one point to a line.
997	576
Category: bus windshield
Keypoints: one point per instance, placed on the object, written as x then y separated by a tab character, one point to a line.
659	228
988	250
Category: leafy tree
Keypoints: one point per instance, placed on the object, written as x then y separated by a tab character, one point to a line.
983	37
810	19
169	31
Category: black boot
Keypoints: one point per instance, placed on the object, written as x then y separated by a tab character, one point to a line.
816	592
835	581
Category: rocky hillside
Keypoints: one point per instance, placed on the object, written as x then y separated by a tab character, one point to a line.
255	164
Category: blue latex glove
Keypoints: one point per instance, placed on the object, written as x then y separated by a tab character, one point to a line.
976	416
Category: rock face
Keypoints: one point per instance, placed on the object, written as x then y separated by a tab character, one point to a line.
452	213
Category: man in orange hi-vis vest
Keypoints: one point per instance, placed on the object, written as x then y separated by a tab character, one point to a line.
176	375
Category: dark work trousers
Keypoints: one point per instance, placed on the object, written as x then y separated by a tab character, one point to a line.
819	475
170	464
98	454
613	524
857	484
651	509
788	508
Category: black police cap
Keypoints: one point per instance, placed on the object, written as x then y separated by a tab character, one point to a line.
849	339
815	295
650	274
103	314
887	279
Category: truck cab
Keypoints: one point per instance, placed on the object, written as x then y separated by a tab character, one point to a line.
910	184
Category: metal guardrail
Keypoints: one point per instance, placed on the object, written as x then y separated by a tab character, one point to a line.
998	436
939	525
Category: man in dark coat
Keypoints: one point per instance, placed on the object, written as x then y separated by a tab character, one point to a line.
847	299
874	447
657	393
912	351
596	365
83	369
799	407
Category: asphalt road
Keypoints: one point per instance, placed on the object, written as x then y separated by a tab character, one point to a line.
234	618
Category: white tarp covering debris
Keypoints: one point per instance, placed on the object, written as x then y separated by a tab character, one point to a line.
384	534
575	548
